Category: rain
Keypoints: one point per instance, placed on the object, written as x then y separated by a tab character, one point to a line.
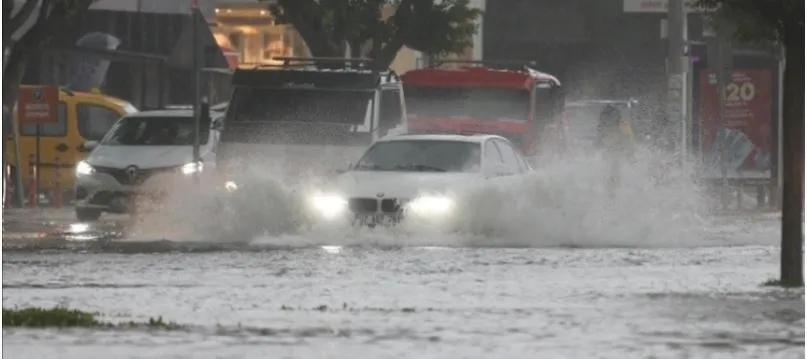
306	199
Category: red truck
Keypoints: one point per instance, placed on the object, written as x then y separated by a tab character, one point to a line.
517	102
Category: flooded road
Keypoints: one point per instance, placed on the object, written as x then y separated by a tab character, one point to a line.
418	301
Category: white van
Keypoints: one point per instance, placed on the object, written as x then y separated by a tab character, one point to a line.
138	150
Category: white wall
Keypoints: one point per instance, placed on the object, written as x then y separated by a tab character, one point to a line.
478	45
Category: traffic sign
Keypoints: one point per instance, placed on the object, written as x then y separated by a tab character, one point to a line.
37	104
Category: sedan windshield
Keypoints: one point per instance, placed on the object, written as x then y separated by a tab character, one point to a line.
421	156
155	131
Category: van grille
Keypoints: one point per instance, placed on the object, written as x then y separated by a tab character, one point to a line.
122	177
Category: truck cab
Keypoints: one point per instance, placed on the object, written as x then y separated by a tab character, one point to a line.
510	99
296	118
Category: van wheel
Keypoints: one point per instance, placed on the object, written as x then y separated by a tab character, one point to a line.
87	214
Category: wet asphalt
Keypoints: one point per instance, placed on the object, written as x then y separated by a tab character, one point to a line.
276	297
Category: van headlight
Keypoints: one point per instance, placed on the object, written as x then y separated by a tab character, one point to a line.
193	167
230	186
84	169
431	205
329	206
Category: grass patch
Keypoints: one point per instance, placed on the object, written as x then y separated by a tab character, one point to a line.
46	318
778	283
61	317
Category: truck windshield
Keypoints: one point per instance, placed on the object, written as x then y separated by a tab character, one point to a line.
481	103
300	105
155	131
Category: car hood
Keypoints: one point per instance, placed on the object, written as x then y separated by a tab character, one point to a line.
143	156
397	184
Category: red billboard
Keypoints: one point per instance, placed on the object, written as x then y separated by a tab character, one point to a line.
746	133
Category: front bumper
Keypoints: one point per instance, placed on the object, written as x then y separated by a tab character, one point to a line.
383	212
103	192
303	208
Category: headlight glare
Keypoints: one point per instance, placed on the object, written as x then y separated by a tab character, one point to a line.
329	206
193	167
84	169
431	205
230	186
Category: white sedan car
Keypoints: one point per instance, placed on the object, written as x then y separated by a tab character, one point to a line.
412	178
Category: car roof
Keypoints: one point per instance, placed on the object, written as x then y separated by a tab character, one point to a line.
178	113
471	138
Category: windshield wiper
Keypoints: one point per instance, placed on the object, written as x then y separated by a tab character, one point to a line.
423	168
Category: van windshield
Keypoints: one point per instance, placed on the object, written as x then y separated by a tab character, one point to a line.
155	131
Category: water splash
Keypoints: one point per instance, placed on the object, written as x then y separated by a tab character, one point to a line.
564	203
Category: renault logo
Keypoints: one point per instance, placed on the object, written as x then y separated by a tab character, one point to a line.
131	174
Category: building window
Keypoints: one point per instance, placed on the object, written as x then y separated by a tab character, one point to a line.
237	42
273	45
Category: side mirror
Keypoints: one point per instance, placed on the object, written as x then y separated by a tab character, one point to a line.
349	166
88	146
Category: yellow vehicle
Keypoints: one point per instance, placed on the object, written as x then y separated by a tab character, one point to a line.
82	117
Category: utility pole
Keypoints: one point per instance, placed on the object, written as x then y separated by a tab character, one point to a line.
676	37
720	61
196	92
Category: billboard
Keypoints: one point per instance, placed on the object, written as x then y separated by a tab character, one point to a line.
746	132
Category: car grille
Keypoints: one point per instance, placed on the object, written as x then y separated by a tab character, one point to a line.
371	205
121	176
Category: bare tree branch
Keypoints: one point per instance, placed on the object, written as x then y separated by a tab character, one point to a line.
19	19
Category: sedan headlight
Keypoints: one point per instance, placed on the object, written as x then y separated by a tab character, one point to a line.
84	169
329	206
431	205
193	167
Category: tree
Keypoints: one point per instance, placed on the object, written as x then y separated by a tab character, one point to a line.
781	22
26	32
51	18
330	26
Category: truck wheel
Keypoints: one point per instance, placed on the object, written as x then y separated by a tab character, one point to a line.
87	214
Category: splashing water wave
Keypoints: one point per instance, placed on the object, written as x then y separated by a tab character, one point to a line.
564	203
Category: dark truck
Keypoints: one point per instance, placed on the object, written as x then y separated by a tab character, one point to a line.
293	124
295	118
